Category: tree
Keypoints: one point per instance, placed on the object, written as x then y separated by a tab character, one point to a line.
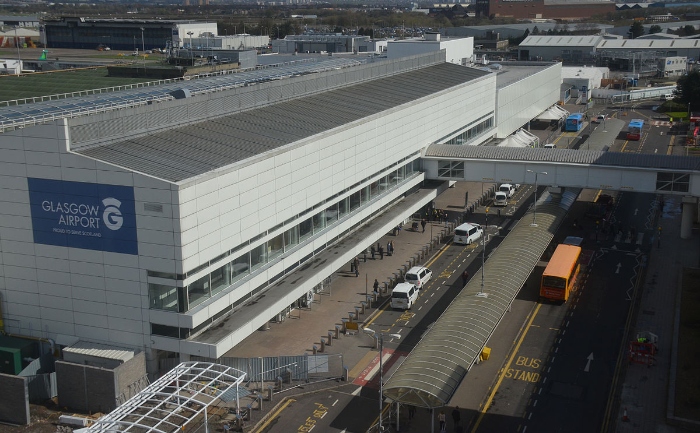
655	29
688	89
636	29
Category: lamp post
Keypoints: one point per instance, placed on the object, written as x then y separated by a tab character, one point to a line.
481	293
380	340
19	59
534	211
190	35
143	49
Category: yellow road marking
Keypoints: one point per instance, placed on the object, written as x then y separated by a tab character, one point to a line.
670	146
486	405
275	414
624	145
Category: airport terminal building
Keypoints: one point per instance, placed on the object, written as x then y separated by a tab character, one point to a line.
180	223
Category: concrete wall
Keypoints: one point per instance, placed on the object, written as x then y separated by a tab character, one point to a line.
14	400
85	388
130	373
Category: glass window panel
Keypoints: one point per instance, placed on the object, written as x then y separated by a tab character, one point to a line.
364	195
319	222
162	297
258	256
343	207
331	214
275	246
306	229
198	291
221	278
374	189
165	331
355	201
239	267
291	237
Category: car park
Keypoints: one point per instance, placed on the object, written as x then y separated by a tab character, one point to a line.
418	276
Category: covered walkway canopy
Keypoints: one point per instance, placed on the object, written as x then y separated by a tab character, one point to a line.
436	366
174	400
554	112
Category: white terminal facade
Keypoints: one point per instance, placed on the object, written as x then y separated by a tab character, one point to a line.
150	226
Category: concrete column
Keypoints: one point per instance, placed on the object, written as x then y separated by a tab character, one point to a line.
687	216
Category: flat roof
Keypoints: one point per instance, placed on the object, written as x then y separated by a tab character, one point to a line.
561	41
182	153
512	72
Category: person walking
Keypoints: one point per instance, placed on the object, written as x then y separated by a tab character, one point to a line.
411	412
357	272
423	223
388	248
372	250
441	420
465	278
456	416
375	286
381	252
357	265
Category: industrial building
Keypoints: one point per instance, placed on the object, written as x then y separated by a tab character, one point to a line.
457	50
631	55
178	226
126	34
543	9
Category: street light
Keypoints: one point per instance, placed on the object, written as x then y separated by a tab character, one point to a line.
19	59
190	35
380	339
143	48
534	212
481	293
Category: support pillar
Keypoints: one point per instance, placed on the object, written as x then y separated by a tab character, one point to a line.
688	206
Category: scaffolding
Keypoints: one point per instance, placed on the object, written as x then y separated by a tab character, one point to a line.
636	62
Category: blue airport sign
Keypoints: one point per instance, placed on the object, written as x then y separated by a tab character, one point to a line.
83	215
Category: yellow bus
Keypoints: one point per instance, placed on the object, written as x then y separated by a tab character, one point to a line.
559	277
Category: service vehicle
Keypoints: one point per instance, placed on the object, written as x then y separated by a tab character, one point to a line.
404	296
467	233
508	188
418	276
500	199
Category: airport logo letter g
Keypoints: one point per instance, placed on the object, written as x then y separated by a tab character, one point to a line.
112	216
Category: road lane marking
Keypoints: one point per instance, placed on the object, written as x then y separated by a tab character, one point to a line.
489	400
275	414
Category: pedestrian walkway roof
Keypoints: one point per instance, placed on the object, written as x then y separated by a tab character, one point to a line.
434	369
174	400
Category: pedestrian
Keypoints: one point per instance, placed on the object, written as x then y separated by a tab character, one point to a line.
456	416
388	248
372	250
357	265
423	223
441	420
375	286
465	278
357	272
381	252
411	411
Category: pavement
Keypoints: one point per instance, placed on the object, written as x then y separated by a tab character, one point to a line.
645	400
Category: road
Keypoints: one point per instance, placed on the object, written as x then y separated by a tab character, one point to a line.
561	372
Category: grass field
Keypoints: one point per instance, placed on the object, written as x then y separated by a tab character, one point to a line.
65	81
688	375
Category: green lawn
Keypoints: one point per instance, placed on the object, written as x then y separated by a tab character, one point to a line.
52	83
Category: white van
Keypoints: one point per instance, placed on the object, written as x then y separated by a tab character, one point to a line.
403	296
500	199
418	276
667	97
550	146
467	233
